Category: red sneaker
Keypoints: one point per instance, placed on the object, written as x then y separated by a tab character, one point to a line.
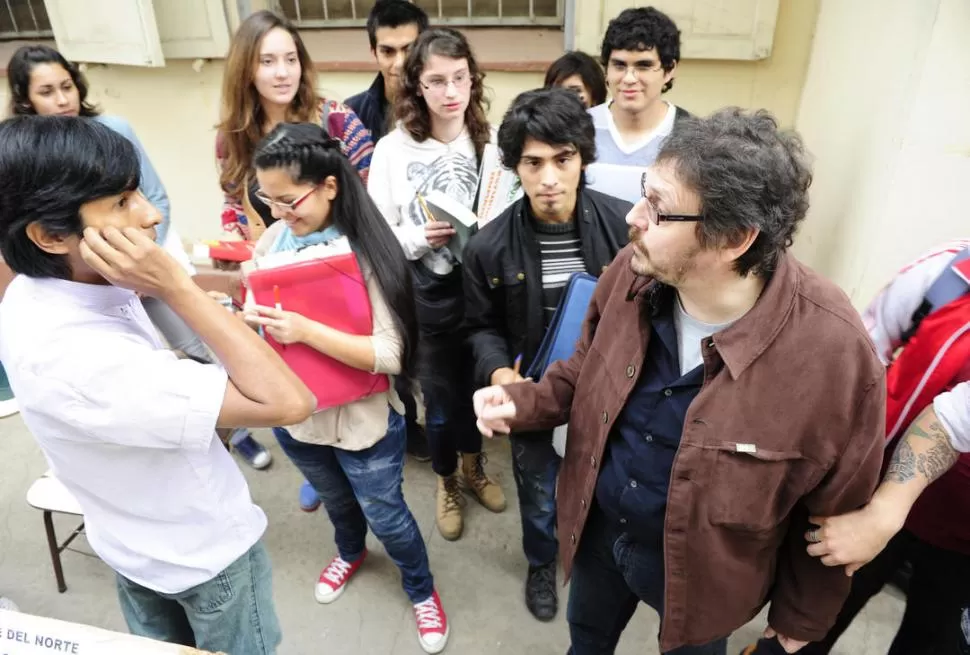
334	578
432	624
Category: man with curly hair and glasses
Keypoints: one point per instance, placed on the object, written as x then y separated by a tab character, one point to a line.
721	394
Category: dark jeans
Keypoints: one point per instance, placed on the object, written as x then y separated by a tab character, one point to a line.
536	466
410	409
612	574
361	489
446	382
232	613
936	620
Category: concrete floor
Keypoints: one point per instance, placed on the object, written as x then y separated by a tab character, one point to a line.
480	577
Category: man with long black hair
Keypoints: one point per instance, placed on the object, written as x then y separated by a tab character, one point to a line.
515	271
126	426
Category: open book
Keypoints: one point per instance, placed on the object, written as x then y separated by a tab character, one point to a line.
498	187
447	210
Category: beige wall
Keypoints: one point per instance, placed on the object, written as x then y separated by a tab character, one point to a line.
886	118
173	109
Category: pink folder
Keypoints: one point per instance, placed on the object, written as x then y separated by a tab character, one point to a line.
330	291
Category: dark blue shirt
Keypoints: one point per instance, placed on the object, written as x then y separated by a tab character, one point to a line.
633	481
371	108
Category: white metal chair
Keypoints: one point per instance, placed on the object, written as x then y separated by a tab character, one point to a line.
49	495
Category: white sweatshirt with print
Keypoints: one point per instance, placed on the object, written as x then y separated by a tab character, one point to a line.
401	168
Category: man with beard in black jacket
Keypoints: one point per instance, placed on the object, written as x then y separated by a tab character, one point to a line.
515	271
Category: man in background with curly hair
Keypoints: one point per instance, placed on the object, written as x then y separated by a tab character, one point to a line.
720	395
641	49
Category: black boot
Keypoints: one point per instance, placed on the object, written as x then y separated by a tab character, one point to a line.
540	592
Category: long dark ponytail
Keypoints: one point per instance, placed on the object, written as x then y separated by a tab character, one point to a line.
310	155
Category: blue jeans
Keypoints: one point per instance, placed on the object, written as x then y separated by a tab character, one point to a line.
612	574
232	613
535	465
361	489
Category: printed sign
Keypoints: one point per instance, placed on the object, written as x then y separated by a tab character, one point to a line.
25	634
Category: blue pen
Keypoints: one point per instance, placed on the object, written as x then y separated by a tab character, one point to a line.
518	364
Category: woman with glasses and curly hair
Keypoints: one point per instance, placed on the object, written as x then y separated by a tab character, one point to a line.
437	146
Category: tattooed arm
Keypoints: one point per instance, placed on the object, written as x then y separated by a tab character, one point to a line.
924	453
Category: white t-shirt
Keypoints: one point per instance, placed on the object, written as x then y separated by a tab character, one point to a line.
401	168
690	334
129	429
619	164
890	315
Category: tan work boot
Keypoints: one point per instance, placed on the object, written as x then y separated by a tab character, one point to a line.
448	507
485	489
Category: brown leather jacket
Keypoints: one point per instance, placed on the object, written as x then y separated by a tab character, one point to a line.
789	423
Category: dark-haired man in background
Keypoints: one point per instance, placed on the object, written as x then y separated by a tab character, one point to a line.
721	394
515	271
392	27
640	52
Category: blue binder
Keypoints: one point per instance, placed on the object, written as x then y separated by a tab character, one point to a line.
566	326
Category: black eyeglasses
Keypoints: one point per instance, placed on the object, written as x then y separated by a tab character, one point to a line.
655	216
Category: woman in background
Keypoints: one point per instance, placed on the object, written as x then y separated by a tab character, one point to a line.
269	78
578	72
43	82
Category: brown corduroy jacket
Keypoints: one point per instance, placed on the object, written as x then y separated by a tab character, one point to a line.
789	423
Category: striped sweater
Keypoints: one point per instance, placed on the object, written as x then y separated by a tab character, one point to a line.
341	123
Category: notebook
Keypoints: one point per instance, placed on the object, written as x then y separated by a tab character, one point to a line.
446	209
324	283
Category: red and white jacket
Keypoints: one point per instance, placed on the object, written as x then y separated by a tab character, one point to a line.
933	367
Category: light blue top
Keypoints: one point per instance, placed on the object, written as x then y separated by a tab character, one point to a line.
150	184
619	164
286	240
611	148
